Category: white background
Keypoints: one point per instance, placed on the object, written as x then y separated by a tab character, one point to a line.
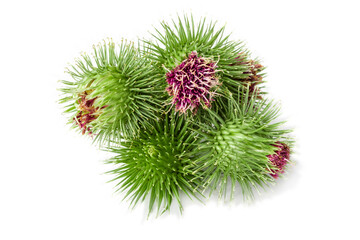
52	184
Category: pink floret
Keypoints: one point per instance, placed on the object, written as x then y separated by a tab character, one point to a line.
191	83
279	159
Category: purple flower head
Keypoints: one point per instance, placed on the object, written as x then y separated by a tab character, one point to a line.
279	159
191	83
87	113
254	77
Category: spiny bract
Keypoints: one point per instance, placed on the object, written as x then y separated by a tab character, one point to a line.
236	145
155	164
175	42
114	92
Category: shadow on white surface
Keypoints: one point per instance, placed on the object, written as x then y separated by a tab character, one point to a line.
288	181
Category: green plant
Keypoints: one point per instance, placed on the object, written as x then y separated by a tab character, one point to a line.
181	114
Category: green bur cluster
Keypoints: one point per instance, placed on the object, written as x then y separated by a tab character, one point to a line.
156	163
121	97
236	146
126	90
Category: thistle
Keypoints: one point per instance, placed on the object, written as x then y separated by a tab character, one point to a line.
156	164
176	46
114	92
241	145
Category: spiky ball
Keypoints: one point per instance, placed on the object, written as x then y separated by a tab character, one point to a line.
114	92
156	164
240	145
177	42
